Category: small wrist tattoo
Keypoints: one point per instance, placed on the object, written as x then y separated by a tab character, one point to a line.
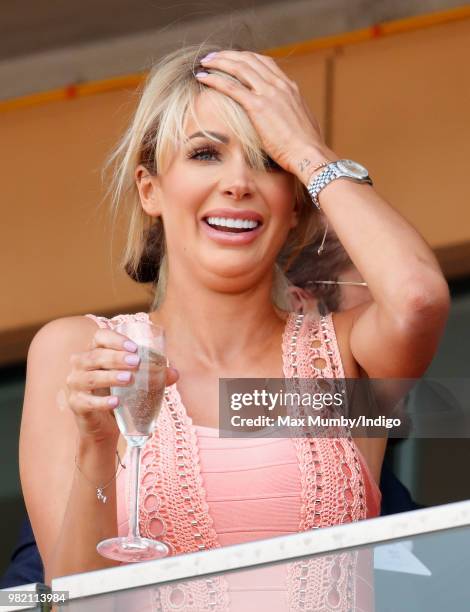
304	164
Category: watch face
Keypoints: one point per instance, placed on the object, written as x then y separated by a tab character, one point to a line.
353	168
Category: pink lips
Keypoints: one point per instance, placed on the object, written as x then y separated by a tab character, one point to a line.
227	238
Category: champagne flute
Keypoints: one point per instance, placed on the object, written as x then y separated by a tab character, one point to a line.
136	414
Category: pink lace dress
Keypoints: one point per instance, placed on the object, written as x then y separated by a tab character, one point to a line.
200	492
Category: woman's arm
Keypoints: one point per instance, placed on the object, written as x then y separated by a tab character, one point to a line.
397	333
67	518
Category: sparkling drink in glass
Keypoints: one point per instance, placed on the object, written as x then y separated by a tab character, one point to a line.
136	415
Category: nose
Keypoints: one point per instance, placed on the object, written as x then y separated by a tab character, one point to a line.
237	191
237	182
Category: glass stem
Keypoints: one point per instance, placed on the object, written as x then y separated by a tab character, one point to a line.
134	491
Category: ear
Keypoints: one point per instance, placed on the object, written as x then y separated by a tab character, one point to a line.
148	187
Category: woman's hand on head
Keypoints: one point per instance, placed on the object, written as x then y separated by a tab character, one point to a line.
273	102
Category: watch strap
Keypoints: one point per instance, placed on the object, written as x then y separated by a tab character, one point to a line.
331	172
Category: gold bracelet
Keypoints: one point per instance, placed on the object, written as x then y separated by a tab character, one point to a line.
99	490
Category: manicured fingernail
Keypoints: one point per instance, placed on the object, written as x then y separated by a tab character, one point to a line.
209	56
202	74
132	359
130	346
113	401
125	376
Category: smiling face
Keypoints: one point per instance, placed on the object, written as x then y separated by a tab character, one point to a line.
224	221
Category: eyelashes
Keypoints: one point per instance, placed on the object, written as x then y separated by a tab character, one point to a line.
209	150
206	150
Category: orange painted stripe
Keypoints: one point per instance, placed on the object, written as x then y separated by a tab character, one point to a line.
419	22
318	44
71	91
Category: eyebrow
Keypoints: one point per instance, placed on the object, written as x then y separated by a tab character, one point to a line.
221	137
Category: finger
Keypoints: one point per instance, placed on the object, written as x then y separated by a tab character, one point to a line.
261	65
105	359
268	65
244	72
237	91
82	403
108	338
271	64
89	380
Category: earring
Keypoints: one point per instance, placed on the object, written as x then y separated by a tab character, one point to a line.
322	247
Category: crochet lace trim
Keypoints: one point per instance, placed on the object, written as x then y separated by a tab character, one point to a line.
173	499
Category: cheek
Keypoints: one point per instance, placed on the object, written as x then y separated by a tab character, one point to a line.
179	190
282	199
283	211
184	195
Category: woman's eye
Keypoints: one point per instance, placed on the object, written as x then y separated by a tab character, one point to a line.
202	153
207	153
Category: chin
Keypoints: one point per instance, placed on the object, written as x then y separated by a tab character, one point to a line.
232	264
233	277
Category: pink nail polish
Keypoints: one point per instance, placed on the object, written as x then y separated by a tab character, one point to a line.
130	346
132	359
202	74
124	376
208	57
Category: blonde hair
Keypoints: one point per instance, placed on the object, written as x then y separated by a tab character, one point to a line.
153	136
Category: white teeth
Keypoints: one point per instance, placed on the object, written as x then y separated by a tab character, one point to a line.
237	223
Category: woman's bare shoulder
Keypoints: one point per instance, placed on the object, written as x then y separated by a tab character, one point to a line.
64	330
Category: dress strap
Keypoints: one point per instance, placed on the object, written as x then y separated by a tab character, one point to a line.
332	488
310	348
330	341
102	322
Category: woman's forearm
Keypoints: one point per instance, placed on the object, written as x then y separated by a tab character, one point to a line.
87	520
393	258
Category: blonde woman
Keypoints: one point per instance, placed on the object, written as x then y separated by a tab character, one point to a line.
202	151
